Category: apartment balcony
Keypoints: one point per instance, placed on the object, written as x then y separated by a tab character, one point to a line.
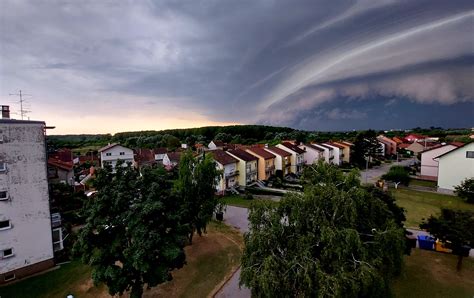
231	174
55	220
251	172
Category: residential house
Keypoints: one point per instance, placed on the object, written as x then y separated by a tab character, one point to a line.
144	157
338	152
160	154
216	144
411	138
312	153
171	159
229	167
60	171
346	150
247	166
26	235
429	163
266	162
112	153
390	145
455	166
328	152
415	148
398	140
297	156
282	159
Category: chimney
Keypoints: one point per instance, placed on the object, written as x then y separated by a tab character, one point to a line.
5	112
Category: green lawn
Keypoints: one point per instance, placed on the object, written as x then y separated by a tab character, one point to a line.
210	259
239	201
432	274
421	205
70	278
424	183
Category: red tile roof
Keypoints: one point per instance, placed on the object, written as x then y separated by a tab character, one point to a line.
314	147
336	145
160	150
108	147
261	152
174	156
279	151
222	157
67	166
243	155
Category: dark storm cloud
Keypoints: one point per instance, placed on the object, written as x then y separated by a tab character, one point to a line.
296	63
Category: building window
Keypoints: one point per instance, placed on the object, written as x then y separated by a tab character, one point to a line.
9	277
108	154
7	253
5	225
122	153
58	239
3	195
469	154
3	166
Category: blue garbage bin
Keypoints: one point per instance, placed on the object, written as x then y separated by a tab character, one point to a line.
426	242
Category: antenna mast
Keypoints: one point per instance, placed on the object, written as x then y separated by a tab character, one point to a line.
22	111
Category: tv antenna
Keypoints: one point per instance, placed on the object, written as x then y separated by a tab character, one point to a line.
22	101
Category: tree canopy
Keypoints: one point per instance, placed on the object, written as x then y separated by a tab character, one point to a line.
337	239
366	146
466	190
133	234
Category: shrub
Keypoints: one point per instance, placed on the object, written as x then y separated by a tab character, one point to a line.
466	190
397	174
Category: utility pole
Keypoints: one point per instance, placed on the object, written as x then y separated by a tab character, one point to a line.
20	94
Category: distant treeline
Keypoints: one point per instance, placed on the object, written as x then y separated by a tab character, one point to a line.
236	134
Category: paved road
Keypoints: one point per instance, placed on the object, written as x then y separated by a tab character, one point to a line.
372	175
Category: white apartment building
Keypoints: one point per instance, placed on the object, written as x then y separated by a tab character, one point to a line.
112	153
297	156
26	236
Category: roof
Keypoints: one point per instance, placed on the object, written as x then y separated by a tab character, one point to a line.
440	146
67	166
314	147
325	146
397	140
336	145
15	121
457	144
174	156
108	147
243	155
452	150
222	157
261	152
218	143
144	155
342	144
160	150
404	146
293	147
279	151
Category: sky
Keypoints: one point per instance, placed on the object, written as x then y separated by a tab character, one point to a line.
109	66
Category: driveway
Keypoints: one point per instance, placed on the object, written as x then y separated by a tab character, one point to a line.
372	175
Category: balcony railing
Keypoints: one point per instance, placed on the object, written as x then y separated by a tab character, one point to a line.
232	174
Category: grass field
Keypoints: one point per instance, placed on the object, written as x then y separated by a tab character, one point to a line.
433	274
209	260
421	205
239	201
424	183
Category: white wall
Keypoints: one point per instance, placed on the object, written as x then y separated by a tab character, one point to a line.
454	167
311	155
429	167
326	154
116	155
28	208
336	153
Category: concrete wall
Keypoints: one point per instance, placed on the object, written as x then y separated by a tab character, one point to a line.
429	167
28	208
454	167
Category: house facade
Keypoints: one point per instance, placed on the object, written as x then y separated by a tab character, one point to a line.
229	167
160	154
282	159
455	166
60	171
429	163
266	162
338	152
26	235
346	151
111	154
247	166
171	159
297	156
390	145
328	152
312	153
214	145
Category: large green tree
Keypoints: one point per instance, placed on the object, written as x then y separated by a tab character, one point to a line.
366	147
196	187
133	233
337	239
454	226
